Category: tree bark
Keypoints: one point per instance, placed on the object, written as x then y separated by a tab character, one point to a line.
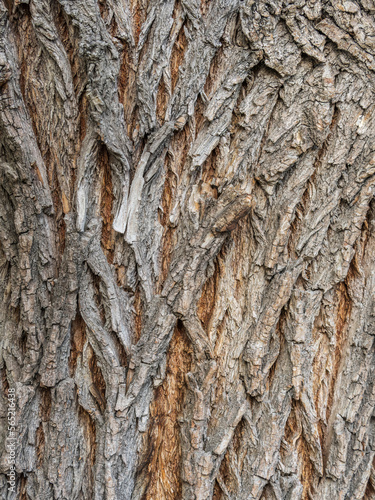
187	249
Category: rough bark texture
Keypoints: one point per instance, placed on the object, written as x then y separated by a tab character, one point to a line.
187	248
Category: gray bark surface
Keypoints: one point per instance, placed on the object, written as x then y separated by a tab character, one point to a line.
187	247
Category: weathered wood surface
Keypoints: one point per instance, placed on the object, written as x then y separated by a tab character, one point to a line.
187	248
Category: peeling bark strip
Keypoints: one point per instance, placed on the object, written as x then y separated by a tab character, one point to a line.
187	242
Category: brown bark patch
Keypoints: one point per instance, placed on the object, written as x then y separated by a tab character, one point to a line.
9	5
200	119
292	429
177	56
342	319
89	429
370	492
98	297
169	184
294	440
209	175
163	457
4	381
207	300
122	356
23	494
205	5
308	472
40	445
103	8
180	145
89	433
121	275
217	493
215	74
98	386
139	11
36	170
127	89
370	488
45	404
162	100
78	338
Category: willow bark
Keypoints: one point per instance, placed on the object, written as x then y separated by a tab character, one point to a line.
187	246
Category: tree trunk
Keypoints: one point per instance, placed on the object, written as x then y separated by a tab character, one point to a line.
187	249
